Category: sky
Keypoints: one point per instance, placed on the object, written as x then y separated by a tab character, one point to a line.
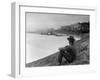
38	21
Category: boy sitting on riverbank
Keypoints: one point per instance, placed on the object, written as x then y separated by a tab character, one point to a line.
68	52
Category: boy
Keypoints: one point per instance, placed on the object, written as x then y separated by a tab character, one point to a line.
68	52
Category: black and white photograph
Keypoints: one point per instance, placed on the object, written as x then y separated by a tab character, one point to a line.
54	39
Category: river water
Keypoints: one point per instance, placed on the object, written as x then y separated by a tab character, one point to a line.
39	46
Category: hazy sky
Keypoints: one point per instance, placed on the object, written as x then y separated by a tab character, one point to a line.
38	21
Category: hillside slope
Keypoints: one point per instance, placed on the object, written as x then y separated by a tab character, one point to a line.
82	47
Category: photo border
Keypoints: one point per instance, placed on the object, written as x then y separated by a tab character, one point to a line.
18	69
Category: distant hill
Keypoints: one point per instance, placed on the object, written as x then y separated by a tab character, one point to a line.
82	47
76	28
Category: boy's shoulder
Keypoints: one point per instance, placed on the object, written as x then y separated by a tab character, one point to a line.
68	47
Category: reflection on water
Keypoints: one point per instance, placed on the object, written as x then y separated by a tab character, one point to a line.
39	46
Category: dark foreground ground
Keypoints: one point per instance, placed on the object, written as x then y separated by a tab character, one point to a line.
82	47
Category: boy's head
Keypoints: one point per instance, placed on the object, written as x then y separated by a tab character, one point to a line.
71	40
